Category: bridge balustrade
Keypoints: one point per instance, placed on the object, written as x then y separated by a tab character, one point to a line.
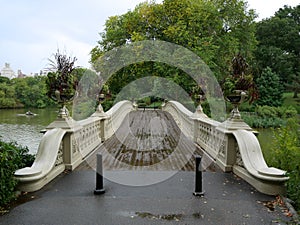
67	143
233	149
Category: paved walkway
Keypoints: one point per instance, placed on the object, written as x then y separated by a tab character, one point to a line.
69	199
145	146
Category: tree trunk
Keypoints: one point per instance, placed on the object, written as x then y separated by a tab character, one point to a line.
295	94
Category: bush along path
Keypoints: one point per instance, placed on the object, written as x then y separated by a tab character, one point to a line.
286	155
12	157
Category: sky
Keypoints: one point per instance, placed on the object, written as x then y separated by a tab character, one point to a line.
32	31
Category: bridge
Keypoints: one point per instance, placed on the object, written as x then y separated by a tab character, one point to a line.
166	139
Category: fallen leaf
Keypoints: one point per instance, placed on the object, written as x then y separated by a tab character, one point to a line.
288	214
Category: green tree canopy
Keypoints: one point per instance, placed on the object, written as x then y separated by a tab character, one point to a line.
7	96
279	43
31	91
215	30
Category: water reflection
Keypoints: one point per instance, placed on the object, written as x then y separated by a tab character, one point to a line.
25	130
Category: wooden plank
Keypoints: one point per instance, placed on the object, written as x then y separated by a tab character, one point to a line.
146	139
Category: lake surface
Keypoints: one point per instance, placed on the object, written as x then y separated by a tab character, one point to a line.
25	130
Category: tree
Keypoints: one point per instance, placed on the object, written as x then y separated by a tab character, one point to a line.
87	96
275	58
279	44
32	91
270	89
295	85
4	79
215	30
7	96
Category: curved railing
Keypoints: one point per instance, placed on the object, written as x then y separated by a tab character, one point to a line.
182	117
66	147
250	160
47	164
234	150
115	117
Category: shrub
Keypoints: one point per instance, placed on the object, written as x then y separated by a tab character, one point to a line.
12	157
246	107
268	116
286	155
107	104
289	112
263	122
267	111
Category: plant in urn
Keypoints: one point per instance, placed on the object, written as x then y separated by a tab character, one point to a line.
61	83
239	87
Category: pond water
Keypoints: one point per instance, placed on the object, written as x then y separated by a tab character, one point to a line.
25	130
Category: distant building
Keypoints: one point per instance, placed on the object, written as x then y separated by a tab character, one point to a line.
44	72
7	72
20	74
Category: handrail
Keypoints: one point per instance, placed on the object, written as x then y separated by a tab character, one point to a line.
115	117
48	157
182	117
253	159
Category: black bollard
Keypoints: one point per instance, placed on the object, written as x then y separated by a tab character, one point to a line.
99	178
198	177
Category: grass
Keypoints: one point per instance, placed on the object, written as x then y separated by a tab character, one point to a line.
266	139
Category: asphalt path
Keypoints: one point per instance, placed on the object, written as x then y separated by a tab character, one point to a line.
70	199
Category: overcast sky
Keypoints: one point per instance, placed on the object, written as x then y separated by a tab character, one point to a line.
31	31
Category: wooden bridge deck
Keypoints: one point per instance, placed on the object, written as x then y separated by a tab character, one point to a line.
146	140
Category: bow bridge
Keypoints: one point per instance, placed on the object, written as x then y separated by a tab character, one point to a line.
165	139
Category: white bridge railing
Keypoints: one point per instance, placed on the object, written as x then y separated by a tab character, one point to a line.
67	143
235	150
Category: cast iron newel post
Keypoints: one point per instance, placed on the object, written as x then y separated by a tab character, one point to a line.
99	177
198	177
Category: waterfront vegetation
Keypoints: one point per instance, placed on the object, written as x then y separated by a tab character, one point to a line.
12	157
281	149
28	92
